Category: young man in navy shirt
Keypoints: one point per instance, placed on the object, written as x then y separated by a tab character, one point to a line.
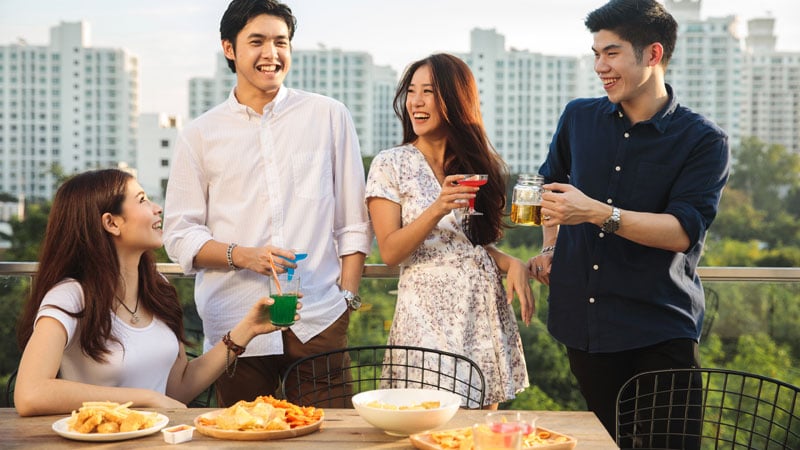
635	181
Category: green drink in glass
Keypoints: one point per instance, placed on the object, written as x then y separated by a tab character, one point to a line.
284	292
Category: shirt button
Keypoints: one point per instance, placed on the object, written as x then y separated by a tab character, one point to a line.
591	300
595	267
618	168
620	113
602	235
609	201
627	135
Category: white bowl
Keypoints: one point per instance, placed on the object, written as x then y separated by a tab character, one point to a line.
402	422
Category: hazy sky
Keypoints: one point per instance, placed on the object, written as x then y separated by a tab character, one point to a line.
178	39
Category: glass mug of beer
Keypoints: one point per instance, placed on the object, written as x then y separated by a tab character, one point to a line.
526	201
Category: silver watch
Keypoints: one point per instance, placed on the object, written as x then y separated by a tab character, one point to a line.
611	225
353	300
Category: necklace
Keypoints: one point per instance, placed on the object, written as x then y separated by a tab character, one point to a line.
134	317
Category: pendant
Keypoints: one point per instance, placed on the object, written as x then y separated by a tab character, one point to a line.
134	319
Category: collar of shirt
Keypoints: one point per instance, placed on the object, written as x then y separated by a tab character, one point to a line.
274	106
660	120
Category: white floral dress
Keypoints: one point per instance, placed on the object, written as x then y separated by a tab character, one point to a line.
450	294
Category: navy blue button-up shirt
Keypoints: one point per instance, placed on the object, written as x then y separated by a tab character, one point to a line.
609	294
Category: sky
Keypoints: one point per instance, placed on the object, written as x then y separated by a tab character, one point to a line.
176	40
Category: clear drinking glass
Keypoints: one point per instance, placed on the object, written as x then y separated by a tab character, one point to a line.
284	292
496	437
475	180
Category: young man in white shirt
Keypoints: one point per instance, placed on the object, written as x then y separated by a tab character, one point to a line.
268	170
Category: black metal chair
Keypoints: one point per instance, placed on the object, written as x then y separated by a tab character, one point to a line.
331	378
9	391
709	409
205	399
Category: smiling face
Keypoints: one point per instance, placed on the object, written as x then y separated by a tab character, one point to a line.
422	105
625	77
139	225
262	56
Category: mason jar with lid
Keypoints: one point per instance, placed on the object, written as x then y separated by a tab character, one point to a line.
526	201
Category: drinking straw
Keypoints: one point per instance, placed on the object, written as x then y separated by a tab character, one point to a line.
275	273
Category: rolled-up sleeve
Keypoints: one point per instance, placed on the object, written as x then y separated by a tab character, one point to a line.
352	229
185	208
695	196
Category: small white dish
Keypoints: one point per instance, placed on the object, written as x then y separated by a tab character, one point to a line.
178	434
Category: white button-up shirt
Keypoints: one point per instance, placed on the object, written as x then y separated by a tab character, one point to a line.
291	177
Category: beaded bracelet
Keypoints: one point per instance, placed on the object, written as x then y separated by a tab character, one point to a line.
229	256
232	347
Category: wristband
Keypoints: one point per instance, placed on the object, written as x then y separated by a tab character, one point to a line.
548	249
229	256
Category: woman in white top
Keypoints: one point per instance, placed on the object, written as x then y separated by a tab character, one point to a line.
101	323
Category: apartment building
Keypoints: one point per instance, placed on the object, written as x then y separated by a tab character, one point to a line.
771	101
350	77
64	106
156	138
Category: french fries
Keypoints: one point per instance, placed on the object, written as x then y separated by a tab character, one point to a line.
265	413
109	417
458	439
424	405
461	439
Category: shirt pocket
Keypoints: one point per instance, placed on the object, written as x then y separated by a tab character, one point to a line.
651	189
312	175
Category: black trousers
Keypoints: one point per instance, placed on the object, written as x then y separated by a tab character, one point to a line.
601	375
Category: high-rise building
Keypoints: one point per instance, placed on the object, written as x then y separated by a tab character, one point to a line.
707	65
350	77
65	104
206	93
771	103
522	96
155	141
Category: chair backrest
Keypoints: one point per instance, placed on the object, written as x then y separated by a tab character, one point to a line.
205	399
712	408
331	378
9	391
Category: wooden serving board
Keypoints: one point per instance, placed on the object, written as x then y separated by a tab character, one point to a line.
556	441
235	435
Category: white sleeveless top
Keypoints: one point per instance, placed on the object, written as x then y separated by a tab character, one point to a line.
144	359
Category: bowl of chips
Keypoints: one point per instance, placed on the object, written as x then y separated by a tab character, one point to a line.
400	412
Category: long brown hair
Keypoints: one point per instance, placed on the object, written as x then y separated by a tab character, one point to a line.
77	246
468	149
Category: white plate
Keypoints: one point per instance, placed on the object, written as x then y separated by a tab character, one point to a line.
61	427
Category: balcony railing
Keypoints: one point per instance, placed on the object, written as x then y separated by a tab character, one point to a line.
752	317
381	271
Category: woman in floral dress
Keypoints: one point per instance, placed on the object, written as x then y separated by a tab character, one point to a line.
450	294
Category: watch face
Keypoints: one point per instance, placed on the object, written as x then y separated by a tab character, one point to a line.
354	302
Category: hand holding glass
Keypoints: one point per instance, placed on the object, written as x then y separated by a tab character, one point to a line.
284	292
474	180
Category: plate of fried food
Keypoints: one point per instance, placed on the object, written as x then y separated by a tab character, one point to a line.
461	439
109	421
264	418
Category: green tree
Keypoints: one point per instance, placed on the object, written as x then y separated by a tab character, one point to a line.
766	173
26	235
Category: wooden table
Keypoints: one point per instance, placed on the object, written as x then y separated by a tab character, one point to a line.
343	429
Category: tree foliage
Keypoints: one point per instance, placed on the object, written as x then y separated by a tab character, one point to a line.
756	326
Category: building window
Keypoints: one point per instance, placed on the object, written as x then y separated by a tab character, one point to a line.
165	143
